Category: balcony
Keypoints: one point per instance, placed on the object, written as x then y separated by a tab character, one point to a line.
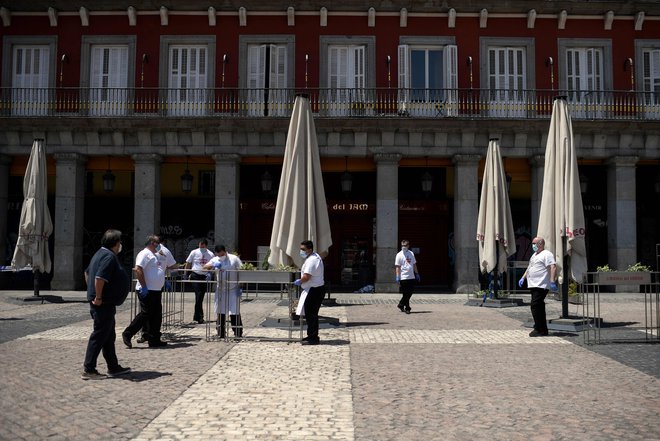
327	103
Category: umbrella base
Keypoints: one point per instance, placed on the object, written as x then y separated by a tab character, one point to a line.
571	324
495	303
45	298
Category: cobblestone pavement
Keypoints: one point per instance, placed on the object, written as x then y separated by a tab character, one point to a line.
446	371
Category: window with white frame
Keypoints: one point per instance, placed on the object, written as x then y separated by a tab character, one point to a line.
188	94
107	74
108	80
346	75
507	75
187	72
30	79
428	79
267	67
647	76
584	75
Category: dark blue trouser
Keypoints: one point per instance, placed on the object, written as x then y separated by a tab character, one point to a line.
102	338
312	305
200	291
407	287
538	309
150	316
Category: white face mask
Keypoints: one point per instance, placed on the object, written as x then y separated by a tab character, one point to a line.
404	249
119	250
535	247
222	258
303	254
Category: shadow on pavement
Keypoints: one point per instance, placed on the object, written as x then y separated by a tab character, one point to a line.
356	324
138	376
617	324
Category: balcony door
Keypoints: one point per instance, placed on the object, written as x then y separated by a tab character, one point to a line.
267	80
428	80
651	82
346	93
108	94
188	94
584	81
30	95
507	77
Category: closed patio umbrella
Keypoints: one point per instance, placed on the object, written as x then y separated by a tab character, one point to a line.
494	223
301	211
35	224
561	217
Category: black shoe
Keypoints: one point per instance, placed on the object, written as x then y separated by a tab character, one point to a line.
200	321
92	375
536	333
126	338
407	310
141	339
310	342
157	344
119	370
401	308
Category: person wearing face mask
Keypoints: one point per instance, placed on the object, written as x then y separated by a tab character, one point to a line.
406	274
107	287
196	260
151	277
311	281
224	261
541	274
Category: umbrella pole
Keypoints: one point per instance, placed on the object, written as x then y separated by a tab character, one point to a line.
36	283
564	284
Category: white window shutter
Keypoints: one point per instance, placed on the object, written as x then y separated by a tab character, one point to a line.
96	68
256	66
356	55
44	58
278	72
451	67
404	67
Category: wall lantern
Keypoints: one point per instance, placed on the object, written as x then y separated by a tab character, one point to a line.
427	179
186	180
346	178
108	179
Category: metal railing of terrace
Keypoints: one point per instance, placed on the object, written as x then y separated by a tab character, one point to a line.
331	103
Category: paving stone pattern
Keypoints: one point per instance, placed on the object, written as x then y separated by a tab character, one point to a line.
446	371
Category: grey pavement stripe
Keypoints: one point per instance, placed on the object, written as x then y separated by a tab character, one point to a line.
236	398
356	336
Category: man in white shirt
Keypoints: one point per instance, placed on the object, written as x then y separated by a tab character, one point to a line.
227	298
151	278
406	274
168	262
311	281
196	260
541	274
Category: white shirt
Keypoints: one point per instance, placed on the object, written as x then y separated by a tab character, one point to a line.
313	266
406	260
230	263
165	257
154	273
199	257
538	274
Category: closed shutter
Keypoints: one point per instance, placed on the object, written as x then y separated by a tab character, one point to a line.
30	80
451	79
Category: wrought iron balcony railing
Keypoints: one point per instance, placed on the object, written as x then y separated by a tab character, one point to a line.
332	103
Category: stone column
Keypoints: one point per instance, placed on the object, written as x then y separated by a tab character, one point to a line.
538	165
5	161
621	212
147	198
68	222
466	209
227	174
387	220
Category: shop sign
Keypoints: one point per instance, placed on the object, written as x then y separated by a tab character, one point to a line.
349	206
